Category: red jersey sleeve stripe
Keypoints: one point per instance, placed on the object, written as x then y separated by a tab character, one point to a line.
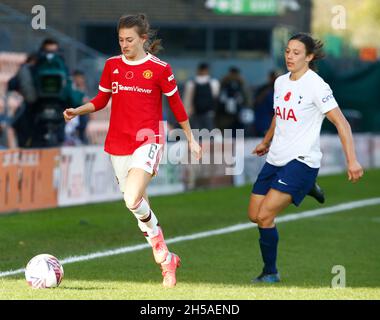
161	64
169	94
104	89
157	59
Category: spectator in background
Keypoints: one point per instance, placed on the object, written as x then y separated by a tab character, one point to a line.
200	95
79	81
7	135
23	83
263	105
75	130
49	45
45	84
233	99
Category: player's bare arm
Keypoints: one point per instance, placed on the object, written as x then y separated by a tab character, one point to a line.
71	113
354	169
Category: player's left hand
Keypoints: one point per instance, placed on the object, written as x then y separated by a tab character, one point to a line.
195	149
354	171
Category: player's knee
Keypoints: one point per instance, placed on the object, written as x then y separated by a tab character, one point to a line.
132	201
263	219
254	207
252	215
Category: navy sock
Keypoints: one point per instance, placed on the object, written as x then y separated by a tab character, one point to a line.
268	245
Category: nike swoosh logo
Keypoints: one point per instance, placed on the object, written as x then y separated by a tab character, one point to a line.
282	182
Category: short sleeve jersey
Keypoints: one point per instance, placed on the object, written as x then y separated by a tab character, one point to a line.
300	107
136	109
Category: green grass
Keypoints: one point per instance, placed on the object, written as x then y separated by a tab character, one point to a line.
218	267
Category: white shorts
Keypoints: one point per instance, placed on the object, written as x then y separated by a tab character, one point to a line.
146	157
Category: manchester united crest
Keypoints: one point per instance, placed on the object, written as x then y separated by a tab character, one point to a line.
147	74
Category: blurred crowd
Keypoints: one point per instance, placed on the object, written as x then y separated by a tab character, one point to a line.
43	87
229	103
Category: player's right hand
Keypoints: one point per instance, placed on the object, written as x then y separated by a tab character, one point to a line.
69	114
261	149
354	171
195	149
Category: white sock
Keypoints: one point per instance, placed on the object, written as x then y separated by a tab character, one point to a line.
147	220
144	231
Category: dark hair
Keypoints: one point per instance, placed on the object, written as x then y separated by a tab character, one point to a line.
234	69
47	42
78	72
313	46
140	22
203	66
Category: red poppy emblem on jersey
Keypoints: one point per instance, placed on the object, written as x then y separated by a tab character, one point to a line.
287	96
129	75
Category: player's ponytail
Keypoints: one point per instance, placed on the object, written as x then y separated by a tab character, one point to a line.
140	21
313	46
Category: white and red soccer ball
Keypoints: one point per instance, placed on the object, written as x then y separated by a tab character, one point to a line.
44	271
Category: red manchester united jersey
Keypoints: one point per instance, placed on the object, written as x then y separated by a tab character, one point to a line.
136	109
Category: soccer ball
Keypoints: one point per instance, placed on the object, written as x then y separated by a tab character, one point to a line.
44	271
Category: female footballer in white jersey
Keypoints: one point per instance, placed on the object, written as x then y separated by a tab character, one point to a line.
136	80
301	101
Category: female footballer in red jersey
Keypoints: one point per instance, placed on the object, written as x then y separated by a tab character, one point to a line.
302	99
136	80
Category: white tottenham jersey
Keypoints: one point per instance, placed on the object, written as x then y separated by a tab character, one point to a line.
300	108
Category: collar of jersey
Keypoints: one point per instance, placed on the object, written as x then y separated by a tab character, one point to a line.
305	75
137	62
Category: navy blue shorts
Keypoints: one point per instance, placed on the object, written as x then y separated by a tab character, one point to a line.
295	178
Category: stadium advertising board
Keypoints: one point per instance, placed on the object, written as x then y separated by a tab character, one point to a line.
27	179
46	178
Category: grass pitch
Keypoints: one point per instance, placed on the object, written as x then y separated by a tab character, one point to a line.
217	267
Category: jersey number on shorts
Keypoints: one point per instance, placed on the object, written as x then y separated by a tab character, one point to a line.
152	151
